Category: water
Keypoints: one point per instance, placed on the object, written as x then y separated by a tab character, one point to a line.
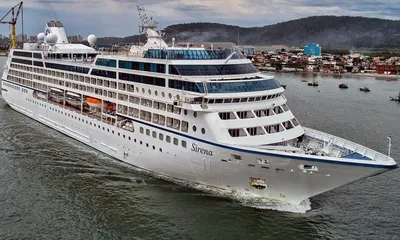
52	187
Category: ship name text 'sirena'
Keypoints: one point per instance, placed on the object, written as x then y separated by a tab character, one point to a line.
206	116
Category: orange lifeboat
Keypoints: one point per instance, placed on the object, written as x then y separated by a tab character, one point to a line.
110	107
93	102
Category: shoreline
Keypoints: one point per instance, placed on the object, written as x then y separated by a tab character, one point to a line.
372	75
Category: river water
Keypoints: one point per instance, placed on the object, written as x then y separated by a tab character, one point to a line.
53	187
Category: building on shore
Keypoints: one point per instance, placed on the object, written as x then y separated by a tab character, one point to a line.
388	69
312	49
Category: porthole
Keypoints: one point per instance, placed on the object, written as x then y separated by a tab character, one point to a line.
194	114
169	95
154	148
129	138
203	131
118	134
149	91
156	93
137	89
143	90
177	97
162	94
194	128
141	142
160	149
147	145
185	112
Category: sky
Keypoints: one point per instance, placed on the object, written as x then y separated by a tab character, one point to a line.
120	17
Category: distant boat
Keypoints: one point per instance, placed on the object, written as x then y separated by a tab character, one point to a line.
395	99
364	89
313	83
304	80
343	85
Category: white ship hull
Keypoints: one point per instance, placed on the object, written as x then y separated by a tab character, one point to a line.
201	161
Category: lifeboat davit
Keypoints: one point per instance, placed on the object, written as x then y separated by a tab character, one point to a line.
93	102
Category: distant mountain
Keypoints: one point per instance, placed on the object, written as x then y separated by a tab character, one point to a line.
328	31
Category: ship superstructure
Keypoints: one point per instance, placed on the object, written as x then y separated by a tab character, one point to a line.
205	116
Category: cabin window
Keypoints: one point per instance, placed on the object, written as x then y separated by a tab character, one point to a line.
103	73
176	141
168	139
22	54
106	62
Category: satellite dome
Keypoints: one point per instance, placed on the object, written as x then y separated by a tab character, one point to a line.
40	37
92	39
51	39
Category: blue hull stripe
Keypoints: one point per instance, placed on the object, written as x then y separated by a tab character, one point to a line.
239	149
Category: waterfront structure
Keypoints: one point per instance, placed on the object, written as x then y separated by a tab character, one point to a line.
203	116
312	49
388	69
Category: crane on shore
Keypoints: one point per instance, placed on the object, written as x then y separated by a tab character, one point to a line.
13	22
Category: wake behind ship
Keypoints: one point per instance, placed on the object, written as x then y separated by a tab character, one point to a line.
205	116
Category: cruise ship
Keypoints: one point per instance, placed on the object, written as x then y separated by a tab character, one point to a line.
203	116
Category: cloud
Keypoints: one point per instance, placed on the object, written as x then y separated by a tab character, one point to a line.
120	18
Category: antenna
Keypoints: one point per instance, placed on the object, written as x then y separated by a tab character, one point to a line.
146	22
238	36
390	145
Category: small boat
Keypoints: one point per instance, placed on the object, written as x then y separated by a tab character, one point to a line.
110	107
73	99
93	102
395	99
304	80
343	85
56	95
56	90
364	89
313	83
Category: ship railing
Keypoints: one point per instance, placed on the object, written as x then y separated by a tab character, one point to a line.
346	146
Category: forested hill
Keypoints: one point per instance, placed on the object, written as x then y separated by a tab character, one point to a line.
328	31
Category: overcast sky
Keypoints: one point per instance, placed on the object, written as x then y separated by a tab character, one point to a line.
120	17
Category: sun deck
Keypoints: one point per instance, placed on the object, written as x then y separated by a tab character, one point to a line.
342	148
